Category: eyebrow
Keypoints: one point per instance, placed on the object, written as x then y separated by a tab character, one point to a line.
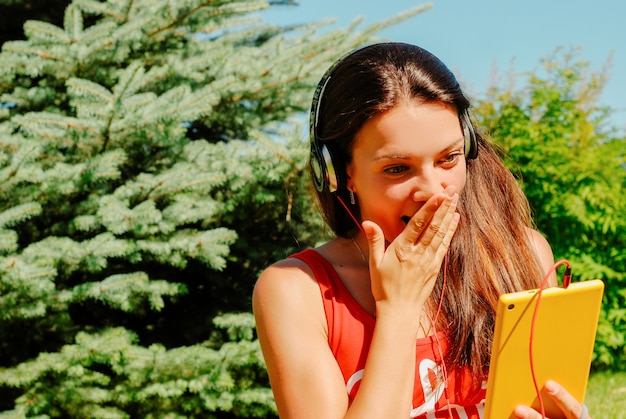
395	156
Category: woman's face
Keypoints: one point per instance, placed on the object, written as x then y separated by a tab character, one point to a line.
401	158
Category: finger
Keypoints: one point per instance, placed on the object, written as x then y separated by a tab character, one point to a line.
442	223
422	218
567	403
375	240
447	239
525	412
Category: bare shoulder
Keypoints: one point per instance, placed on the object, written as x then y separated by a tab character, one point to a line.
287	293
543	250
540	242
293	333
289	279
292	279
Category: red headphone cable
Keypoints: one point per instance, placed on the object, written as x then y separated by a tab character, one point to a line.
350	214
567	276
432	321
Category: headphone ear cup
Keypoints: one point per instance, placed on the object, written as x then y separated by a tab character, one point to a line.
471	142
323	169
332	175
318	169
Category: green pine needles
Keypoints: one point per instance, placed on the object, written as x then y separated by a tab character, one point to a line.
151	164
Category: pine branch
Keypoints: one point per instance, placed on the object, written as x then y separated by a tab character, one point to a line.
15	215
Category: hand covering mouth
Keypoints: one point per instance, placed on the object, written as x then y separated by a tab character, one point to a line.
406	219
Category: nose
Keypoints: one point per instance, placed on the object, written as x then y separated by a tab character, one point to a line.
425	185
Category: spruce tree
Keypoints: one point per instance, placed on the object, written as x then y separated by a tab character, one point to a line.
152	162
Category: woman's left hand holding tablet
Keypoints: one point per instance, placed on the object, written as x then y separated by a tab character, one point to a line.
571	408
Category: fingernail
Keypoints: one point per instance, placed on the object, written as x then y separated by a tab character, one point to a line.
520	412
551	387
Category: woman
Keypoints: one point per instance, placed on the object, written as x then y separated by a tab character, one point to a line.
394	317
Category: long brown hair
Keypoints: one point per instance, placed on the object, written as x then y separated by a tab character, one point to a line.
491	252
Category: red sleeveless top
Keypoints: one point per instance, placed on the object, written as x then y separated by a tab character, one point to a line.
350	330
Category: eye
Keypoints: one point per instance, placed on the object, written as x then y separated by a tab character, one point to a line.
451	159
395	170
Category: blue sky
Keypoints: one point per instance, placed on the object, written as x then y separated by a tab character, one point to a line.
475	36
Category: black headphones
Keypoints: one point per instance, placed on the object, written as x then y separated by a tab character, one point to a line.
328	174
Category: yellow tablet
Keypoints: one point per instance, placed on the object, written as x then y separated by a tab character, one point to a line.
564	336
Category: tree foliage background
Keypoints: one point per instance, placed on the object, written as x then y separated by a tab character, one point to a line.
571	161
152	162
